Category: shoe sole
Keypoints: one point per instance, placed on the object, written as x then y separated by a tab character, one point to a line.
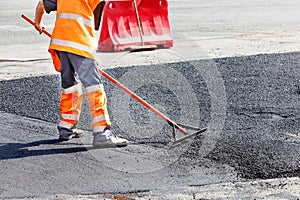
109	145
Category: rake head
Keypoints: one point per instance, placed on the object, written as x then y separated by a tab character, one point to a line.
187	135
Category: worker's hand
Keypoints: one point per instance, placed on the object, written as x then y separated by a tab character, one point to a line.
39	27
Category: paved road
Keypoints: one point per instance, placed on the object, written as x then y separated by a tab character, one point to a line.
258	139
250	104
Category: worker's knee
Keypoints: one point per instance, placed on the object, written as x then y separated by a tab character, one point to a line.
88	73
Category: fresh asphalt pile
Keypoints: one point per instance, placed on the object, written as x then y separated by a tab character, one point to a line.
262	115
260	137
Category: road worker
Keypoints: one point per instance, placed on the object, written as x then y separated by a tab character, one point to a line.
72	48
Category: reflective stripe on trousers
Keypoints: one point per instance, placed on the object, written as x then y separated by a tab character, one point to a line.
98	107
70	106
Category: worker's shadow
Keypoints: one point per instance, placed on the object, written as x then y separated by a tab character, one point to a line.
21	150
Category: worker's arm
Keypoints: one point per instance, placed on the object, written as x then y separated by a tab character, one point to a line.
39	12
41	7
98	13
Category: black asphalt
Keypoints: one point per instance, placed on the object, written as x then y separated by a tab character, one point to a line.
258	140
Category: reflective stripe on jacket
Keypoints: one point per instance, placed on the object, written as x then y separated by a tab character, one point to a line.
74	29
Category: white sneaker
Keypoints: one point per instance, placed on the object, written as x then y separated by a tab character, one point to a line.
107	139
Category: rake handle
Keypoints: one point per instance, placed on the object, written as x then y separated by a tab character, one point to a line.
139	99
33	23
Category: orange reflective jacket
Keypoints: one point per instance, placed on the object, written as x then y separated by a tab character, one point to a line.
74	29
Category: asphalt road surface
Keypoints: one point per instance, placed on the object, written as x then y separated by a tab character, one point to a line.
249	103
